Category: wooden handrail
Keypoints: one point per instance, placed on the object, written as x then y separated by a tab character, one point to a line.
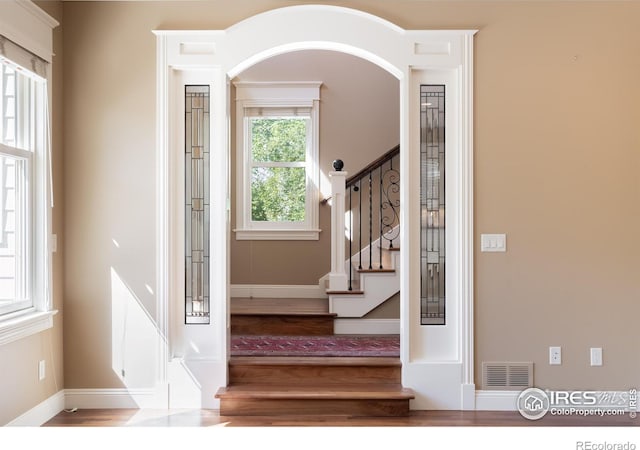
373	165
353	179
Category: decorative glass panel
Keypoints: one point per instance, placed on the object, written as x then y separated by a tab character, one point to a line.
197	221
432	205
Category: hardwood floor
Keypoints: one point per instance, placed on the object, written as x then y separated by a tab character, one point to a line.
431	430
211	418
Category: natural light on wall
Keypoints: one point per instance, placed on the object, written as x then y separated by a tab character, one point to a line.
135	341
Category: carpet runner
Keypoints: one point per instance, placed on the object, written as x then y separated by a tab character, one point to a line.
336	345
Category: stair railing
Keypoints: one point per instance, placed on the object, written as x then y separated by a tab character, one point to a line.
373	196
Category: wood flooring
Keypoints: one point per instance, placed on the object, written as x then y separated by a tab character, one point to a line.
209	418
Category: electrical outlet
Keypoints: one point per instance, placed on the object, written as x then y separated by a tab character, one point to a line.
555	355
596	356
41	370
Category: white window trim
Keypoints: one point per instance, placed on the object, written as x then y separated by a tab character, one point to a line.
29	27
274	95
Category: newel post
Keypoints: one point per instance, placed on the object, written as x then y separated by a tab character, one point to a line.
338	276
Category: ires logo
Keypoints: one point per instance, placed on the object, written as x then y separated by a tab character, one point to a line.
588	398
534	403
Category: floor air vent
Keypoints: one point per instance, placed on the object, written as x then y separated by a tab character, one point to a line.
507	375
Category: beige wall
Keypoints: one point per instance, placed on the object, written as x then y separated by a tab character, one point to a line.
359	121
556	163
20	389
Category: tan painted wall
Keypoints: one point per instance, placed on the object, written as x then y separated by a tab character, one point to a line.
556	163
359	121
390	309
20	389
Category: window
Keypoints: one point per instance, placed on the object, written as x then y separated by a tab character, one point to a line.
24	194
277	154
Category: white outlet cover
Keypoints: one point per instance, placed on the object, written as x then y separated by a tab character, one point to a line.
596	356
555	355
41	370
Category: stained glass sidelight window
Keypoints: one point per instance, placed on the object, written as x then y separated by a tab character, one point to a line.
432	205
196	165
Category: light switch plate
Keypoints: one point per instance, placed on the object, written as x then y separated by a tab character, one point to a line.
493	242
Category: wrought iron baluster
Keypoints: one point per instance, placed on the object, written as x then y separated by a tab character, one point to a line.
350	240
380	222
360	225
370	220
390	204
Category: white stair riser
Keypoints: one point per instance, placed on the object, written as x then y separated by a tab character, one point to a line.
377	288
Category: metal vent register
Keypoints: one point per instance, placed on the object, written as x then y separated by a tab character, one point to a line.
507	375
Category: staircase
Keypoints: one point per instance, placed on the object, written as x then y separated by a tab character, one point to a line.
306	385
358	282
369	287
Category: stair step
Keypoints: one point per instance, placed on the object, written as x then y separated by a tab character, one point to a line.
373	400
376	270
290	306
282	325
352	292
316	371
281	316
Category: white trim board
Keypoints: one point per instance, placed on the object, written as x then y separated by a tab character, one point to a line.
41	413
277	291
117	398
366	326
496	400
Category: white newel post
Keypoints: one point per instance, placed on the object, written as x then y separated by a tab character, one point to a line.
338	277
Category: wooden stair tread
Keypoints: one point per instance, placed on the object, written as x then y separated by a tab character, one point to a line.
341	392
350	361
376	270
274	312
283	313
353	292
278	306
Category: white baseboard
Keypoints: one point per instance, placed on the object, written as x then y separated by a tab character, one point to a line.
468	393
115	398
366	326
507	400
277	291
41	413
496	400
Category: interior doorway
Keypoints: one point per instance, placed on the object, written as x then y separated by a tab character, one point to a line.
219	56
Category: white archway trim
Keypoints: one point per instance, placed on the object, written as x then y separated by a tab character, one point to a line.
216	56
315	45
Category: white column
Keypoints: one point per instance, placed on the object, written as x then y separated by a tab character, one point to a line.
338	277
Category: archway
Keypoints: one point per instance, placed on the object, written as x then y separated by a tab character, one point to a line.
437	361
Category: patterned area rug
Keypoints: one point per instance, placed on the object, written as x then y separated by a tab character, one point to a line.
337	345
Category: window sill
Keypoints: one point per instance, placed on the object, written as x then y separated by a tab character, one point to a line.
23	325
277	235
